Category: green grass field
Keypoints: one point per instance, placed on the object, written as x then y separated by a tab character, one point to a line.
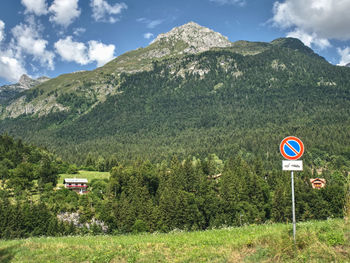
324	241
83	174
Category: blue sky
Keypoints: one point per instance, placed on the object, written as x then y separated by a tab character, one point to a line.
52	37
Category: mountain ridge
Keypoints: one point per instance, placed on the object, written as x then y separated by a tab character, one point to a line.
8	92
185	40
238	99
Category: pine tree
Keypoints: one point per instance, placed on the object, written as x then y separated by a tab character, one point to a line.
52	227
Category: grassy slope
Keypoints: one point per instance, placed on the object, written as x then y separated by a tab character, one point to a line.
316	242
90	175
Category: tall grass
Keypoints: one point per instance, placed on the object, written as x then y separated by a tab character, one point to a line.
347	201
321	241
347	214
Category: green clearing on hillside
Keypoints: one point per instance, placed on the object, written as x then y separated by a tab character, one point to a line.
89	175
322	241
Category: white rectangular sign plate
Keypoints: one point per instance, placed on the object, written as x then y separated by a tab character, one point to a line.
292	165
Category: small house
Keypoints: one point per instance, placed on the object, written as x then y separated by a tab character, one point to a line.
318	183
214	176
78	185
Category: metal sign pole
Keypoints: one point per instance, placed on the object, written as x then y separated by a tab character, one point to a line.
292	148
293	206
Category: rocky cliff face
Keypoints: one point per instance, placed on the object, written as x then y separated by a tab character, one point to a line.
197	38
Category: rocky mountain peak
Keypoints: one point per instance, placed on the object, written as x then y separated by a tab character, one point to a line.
25	82
7	92
347	65
197	38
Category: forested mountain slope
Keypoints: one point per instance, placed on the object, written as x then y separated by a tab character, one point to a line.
243	98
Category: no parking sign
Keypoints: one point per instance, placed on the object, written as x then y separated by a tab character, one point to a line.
292	148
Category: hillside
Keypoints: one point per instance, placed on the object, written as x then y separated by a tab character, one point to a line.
187	97
323	241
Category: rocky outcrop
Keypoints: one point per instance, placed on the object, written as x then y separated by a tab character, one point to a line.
197	38
75	219
43	107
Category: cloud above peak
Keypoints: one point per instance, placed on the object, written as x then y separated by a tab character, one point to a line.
310	39
328	19
27	40
150	23
100	52
230	2
79	52
64	12
102	11
344	56
11	67
38	7
148	35
70	50
2	30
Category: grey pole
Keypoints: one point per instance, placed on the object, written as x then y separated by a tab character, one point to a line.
293	206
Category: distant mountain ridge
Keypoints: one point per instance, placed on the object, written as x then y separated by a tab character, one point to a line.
191	91
188	39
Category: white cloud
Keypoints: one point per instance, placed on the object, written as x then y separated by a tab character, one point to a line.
154	23
10	68
38	7
148	35
229	2
27	40
150	23
328	19
309	39
64	12
78	31
83	54
72	51
344	56
104	12
2	30
100	52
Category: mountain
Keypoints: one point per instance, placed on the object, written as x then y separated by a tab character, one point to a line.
192	92
8	92
347	65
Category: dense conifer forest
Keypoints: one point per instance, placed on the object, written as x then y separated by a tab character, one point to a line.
144	196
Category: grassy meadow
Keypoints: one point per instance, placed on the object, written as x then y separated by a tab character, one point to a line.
317	241
90	175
